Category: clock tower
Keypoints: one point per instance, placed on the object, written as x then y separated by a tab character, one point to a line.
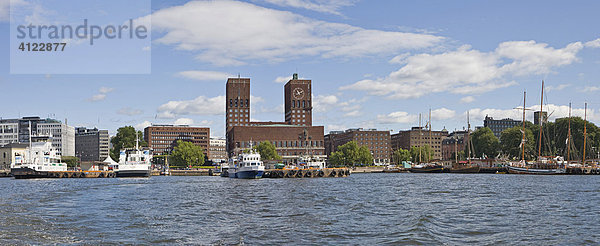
298	102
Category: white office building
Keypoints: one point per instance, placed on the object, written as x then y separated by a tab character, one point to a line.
62	137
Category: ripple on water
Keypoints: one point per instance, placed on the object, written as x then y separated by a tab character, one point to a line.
361	209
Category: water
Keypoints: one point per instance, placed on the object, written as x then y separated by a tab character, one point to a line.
361	209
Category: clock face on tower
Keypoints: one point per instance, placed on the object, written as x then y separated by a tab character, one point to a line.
298	93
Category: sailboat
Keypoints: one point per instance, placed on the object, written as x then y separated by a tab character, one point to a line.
468	167
426	167
543	165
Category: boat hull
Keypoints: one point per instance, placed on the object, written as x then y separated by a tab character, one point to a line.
28	173
133	173
435	169
474	169
535	171
252	174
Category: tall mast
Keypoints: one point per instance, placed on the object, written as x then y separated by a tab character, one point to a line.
468	139
541	122
30	160
584	133
420	145
569	137
523	130
136	141
455	149
430	140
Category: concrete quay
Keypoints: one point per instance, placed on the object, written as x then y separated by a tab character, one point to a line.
5	174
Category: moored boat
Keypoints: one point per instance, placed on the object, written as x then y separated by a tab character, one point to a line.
247	166
134	162
465	169
426	169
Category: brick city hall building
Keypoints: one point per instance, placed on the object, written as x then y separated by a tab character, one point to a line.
294	137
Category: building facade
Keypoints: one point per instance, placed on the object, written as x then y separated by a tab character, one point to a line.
17	131
61	135
163	138
217	150
91	144
497	126
290	141
453	144
417	137
237	105
9	131
378	142
8	153
294	137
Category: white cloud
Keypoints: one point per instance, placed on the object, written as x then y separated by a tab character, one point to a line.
236	33
205	75
467	99
199	106
557	87
399	59
353	114
591	89
183	121
335	127
593	44
397	117
284	79
143	125
442	114
96	98
105	90
468	71
322	103
101	95
324	6
129	111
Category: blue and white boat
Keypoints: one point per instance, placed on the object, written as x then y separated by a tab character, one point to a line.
247	166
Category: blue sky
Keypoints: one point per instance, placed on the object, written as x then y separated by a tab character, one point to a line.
373	64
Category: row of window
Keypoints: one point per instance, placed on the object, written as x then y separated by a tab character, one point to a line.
242	103
178	133
241	115
236	110
300	104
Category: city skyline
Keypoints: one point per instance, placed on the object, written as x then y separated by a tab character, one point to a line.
368	70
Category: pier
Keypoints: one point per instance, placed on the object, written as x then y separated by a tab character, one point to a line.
307	173
69	174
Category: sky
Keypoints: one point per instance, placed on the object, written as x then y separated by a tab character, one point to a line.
373	64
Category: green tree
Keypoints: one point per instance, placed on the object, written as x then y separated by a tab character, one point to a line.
71	161
349	154
267	151
401	155
423	151
364	156
510	142
187	154
485	143
125	138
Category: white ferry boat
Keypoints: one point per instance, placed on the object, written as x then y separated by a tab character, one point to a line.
40	161
134	162
311	162
247	166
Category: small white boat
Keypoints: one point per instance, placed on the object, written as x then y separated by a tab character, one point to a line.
134	162
247	166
